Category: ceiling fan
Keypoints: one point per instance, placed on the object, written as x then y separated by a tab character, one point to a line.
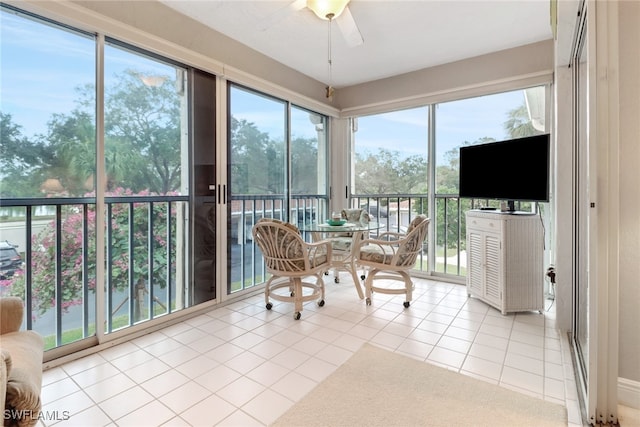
324	9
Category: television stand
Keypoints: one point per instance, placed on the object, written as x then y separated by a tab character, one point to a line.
505	255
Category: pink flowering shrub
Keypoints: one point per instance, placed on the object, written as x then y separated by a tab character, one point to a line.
73	269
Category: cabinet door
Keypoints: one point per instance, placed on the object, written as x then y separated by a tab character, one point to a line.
493	269
475	271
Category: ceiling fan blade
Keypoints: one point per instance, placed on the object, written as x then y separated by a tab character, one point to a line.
281	13
349	29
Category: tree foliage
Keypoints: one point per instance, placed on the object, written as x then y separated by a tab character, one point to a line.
143	156
142	143
259	163
387	173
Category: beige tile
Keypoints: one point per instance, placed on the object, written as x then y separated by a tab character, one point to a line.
165	382
58	389
267	406
334	355
455	344
126	402
522	379
446	357
294	386
267	373
245	362
316	369
488	352
240	391
185	396
153	413
92	416
196	366
240	419
524	363
84	364
208	412
218	377
135	358
242	365
110	387
482	367
147	370
95	374
67	407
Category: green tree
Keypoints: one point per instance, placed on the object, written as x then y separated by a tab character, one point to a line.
304	165
142	142
71	142
21	161
519	124
251	160
146	120
387	173
259	164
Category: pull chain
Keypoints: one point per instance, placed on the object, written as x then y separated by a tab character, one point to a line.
329	88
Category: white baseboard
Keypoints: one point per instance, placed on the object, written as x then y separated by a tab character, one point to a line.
629	393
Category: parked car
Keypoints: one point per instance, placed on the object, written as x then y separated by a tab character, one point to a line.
10	260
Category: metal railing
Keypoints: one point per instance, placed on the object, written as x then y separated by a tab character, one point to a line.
57	278
247	267
448	220
146	251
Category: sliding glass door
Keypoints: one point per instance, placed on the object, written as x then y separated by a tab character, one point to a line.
277	169
95	180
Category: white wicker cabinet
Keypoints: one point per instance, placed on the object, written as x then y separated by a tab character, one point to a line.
505	260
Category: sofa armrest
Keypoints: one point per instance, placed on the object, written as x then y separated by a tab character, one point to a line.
24	380
11	314
5	368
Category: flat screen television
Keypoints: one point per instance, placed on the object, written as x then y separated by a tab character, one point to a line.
512	170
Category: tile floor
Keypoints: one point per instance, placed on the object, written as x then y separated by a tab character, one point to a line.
241	365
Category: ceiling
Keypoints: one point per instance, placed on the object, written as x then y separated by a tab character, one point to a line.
399	35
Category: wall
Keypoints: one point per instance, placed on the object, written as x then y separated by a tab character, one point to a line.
629	176
627	224
529	65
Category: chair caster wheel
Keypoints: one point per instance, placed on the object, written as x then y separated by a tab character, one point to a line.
362	277
406	304
326	273
297	315
336	280
368	301
269	306
321	303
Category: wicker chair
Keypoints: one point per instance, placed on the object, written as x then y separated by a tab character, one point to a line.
289	257
391	256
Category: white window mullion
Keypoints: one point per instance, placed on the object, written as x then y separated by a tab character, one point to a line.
100	191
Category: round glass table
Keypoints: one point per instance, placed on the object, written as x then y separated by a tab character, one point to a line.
344	241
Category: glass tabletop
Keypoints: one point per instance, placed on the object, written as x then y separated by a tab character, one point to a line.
322	227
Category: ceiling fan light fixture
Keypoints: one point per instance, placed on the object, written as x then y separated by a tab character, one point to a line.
327	9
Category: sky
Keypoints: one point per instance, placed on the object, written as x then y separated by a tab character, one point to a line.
42	67
456	122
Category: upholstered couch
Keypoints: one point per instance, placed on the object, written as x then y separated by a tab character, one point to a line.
20	366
